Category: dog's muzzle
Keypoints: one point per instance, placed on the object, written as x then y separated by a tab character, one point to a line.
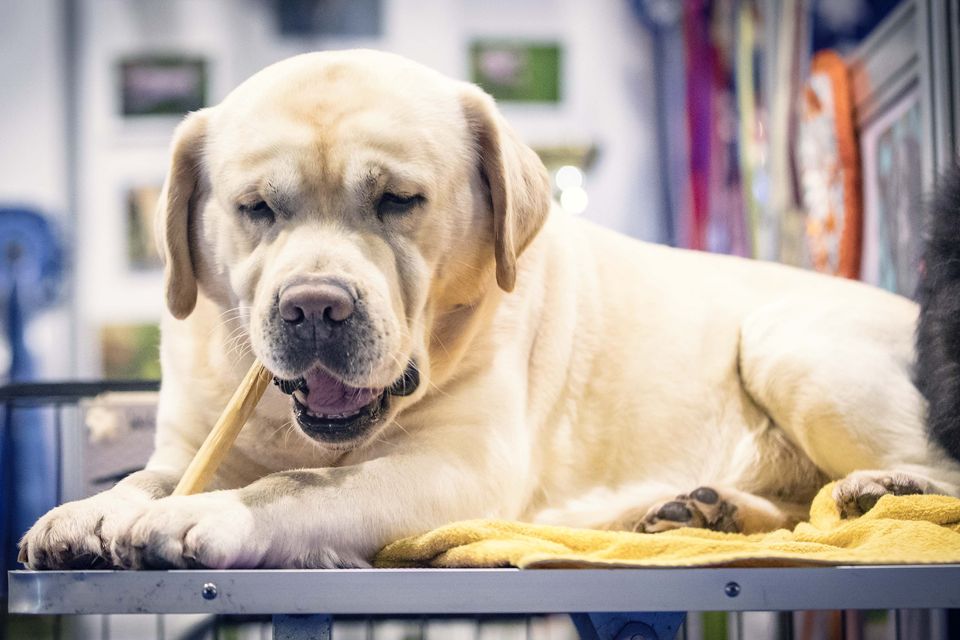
331	411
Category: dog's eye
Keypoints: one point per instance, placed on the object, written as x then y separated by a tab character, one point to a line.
258	211
393	204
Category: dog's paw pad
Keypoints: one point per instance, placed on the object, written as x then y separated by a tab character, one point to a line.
706	495
675	511
703	508
860	491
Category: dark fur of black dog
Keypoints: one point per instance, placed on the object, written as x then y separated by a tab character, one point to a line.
938	333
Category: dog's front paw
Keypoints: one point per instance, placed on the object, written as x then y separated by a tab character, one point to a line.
79	535
859	492
209	530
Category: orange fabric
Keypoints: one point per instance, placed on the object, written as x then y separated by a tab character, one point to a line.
831	64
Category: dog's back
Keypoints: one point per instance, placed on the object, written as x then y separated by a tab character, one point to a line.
938	333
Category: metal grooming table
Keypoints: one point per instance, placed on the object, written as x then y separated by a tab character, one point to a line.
636	604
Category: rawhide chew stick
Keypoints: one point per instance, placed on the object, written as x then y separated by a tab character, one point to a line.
225	431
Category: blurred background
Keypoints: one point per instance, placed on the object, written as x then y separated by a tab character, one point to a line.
802	131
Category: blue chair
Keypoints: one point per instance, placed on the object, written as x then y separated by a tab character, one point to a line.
31	268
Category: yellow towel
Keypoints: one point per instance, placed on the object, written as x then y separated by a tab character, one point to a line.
898	530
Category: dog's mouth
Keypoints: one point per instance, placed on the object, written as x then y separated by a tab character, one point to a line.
327	409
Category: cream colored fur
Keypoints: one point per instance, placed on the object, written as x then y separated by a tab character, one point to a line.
569	374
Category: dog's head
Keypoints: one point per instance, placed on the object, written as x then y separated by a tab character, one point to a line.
338	202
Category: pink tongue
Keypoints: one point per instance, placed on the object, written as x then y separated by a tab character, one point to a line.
329	396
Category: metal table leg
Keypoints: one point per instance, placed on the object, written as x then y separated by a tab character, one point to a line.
628	626
302	627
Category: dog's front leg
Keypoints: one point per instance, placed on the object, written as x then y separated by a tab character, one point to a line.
332	517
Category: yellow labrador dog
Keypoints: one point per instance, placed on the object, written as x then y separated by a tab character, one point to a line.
446	347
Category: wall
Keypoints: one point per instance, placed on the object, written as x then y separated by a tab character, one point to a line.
607	102
32	121
33	164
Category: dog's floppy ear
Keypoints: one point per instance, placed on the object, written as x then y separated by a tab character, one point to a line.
519	183
174	215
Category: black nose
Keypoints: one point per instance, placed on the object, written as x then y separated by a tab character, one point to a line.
315	301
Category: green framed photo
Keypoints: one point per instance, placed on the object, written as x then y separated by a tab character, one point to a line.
513	71
130	351
142	251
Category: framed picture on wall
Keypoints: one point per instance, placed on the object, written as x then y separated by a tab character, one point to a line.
892	147
514	71
161	85
337	18
828	160
130	351
893	79
142	253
